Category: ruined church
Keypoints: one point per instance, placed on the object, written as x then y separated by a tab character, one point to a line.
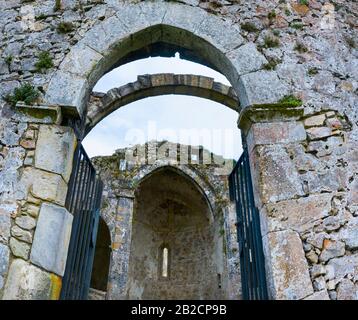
164	220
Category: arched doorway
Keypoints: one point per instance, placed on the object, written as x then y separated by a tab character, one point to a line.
100	270
147	29
174	243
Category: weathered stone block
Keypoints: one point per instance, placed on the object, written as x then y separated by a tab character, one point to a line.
344	266
221	33
5	223
27	282
55	150
51	238
315	121
319	132
289	274
320	295
74	86
44	185
105	35
350	234
19	249
180	16
277	178
261	87
26	222
21	234
81	61
246	59
298	214
38	114
331	249
275	132
4	263
347	290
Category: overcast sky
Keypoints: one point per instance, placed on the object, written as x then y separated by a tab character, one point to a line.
175	118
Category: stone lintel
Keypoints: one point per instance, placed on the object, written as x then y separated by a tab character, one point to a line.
47	114
276	112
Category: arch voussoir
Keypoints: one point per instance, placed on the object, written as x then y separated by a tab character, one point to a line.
102	104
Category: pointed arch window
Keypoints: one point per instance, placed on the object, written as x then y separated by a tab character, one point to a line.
164	261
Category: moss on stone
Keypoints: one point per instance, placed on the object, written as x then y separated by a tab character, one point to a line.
9	59
297	26
249	27
65	27
271	42
304	2
300	47
58	5
26	93
291	101
312	71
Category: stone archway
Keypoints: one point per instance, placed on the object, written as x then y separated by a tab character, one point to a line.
172	212
201	36
101	105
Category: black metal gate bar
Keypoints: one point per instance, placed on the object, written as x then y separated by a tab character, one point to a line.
83	201
252	263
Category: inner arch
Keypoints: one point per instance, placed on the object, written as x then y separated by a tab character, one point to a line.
102	104
170	213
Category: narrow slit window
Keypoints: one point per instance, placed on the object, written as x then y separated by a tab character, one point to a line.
165	255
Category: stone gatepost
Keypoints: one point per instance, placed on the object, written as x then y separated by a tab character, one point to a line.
271	133
121	242
40	225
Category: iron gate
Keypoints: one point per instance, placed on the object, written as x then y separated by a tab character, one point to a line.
248	230
83	201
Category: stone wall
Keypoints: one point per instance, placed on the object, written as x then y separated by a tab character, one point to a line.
36	160
267	49
308	220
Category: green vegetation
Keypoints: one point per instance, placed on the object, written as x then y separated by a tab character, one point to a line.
350	41
271	65
26	93
41	16
271	15
298	26
291	100
65	27
249	27
44	62
312	71
9	59
303	2
58	5
276	32
271	42
300	47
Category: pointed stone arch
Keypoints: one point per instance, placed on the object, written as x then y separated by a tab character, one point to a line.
185	171
199	35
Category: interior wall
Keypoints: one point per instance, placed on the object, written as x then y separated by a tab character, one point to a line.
100	271
171	212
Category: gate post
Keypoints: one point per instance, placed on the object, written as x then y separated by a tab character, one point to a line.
41	226
270	132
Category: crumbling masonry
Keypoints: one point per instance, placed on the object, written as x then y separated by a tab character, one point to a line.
293	69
